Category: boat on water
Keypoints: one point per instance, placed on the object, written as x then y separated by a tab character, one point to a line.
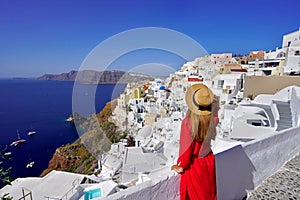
31	133
30	165
18	141
7	154
69	119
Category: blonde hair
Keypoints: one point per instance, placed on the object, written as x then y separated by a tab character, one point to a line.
202	127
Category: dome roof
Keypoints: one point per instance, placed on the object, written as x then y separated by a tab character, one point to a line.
145	131
162	87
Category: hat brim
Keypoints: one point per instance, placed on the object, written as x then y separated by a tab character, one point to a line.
189	95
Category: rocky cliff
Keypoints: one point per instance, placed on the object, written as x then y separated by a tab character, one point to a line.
72	157
94	77
98	133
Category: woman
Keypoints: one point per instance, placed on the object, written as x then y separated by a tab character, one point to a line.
196	162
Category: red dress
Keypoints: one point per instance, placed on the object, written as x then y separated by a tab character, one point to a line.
198	180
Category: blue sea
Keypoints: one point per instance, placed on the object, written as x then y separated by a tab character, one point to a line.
41	106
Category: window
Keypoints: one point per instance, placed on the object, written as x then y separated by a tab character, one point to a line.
254	122
280	55
132	169
220	84
297	53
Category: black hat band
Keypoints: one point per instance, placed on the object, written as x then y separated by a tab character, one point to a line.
202	108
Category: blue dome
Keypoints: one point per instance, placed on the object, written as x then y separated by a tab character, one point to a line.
162	87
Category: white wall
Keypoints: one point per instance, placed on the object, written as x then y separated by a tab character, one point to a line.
273	152
295	107
238	170
292	60
241	129
274	54
293	37
163	189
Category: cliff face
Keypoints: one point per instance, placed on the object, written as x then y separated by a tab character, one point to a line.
94	77
72	157
80	156
70	76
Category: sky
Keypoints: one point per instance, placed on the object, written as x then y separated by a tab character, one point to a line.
56	36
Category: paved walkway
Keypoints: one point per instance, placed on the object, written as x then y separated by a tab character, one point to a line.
284	184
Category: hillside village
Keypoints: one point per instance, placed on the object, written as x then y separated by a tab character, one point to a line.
259	96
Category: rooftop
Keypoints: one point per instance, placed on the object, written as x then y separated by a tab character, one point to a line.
55	184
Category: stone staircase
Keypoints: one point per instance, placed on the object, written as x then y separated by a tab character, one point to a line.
285	119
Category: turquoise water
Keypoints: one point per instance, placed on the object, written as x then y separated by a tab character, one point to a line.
92	194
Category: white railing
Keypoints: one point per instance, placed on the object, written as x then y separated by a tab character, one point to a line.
69	193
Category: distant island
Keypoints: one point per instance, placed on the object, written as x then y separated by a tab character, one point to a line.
76	157
95	77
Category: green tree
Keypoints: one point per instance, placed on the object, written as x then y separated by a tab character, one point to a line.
4	173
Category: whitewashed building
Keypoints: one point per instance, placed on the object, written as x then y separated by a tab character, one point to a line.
266	114
287	57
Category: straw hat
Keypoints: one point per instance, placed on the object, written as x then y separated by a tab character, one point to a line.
199	99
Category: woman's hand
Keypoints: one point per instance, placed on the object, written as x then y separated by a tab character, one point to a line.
177	169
